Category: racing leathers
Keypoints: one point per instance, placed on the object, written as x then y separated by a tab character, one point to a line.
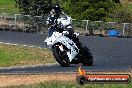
61	23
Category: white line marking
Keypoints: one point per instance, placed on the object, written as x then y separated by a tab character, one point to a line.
24	45
29	66
14	44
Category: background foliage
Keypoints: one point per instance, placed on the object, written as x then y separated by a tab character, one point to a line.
78	9
33	7
89	9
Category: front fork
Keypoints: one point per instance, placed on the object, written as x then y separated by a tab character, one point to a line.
70	55
61	48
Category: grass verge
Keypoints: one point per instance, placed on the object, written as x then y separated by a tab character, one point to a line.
58	84
8	6
19	55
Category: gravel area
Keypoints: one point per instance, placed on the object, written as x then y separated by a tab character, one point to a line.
27	79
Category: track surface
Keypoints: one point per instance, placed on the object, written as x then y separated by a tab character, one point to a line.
110	54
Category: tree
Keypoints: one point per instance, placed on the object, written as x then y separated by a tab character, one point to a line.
89	9
33	7
23	5
77	9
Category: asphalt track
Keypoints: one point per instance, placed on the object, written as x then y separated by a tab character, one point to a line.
109	53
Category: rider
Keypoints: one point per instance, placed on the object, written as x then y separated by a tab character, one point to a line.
54	20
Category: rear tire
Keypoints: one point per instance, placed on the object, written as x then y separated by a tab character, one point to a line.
87	58
61	57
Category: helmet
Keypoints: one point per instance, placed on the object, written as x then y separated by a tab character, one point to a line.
57	9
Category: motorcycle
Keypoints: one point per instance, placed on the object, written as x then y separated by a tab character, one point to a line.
66	51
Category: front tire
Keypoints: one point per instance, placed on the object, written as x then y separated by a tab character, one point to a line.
61	57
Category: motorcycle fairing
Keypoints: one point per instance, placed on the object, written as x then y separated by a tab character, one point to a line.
59	38
73	50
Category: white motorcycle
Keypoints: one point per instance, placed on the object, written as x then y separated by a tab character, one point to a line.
65	50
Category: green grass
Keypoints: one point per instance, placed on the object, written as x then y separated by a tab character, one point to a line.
18	55
8	6
72	85
128	7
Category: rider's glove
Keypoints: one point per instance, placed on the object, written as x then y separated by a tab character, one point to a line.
65	32
76	34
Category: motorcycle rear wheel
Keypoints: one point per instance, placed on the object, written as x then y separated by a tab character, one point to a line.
61	57
86	56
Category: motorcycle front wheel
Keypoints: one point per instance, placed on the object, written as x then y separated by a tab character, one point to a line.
61	57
